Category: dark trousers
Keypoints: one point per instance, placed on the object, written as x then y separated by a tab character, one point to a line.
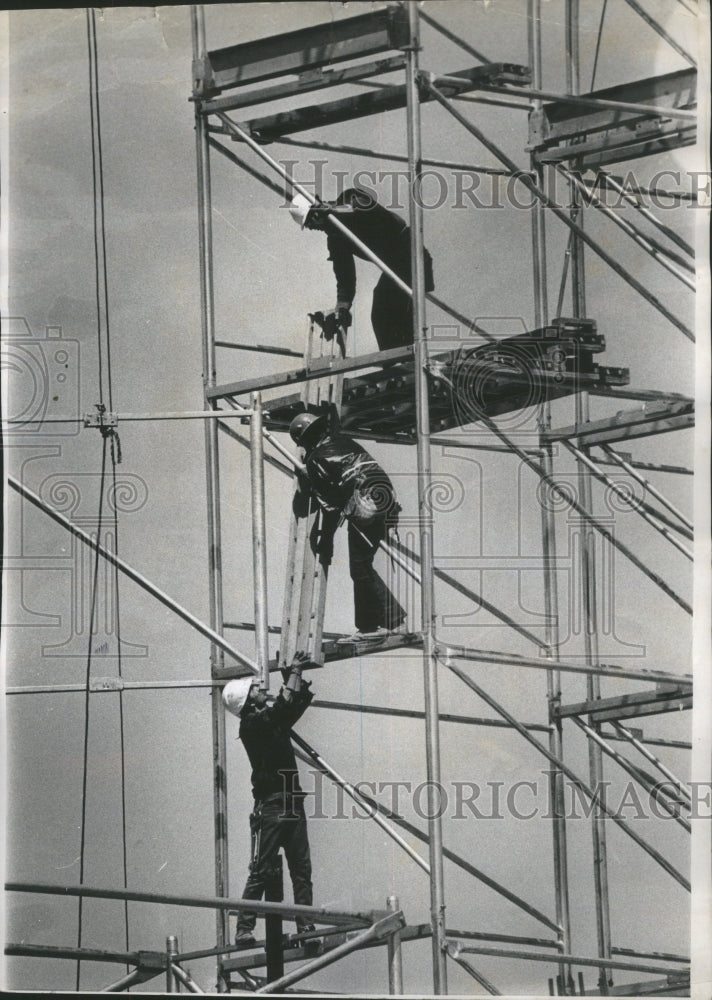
391	314
392	308
274	824
375	605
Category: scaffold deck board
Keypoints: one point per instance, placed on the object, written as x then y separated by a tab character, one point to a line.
304	49
654	417
255	958
597	136
627	706
469	384
672	986
333	650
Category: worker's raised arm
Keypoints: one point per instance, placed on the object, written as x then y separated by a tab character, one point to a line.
295	697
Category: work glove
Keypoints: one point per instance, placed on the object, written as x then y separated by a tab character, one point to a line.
337	321
292	675
343	315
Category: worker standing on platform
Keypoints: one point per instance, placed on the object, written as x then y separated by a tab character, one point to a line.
278	818
349	484
388	236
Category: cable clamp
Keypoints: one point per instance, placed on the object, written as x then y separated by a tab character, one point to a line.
107	423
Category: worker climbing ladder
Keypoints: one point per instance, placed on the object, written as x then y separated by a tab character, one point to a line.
307	566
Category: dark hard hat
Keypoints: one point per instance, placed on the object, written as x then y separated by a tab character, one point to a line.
305	426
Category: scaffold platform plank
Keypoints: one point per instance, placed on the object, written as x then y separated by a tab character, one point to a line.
654	417
664	698
255	958
317	79
467	385
303	50
599	136
671	986
271	127
333	650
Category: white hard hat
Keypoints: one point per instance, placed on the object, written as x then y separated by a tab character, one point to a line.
235	694
300	208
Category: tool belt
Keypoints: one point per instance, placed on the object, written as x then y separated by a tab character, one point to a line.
281	798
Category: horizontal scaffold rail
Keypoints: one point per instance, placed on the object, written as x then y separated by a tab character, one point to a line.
316	914
609	963
596	136
447	652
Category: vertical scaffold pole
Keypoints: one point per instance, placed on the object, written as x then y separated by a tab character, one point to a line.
205	242
432	735
259	540
548	527
171	952
395	956
588	543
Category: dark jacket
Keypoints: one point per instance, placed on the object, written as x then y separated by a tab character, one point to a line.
337	467
265	736
383	232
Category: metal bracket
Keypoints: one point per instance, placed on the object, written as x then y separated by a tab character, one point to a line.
152	960
101	420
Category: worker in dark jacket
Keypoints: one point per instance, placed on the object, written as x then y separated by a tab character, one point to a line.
387	236
349	484
278	819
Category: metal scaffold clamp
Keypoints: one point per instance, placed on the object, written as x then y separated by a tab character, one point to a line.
106	422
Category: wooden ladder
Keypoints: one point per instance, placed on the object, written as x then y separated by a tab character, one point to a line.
307	571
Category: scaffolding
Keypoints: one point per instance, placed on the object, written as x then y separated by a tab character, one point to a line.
406	397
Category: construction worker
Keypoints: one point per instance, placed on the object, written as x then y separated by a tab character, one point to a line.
388	236
349	484
278	819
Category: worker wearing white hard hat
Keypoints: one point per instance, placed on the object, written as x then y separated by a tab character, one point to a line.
278	819
387	235
300	209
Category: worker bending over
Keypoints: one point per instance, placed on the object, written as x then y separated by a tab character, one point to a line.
388	237
278	818
349	484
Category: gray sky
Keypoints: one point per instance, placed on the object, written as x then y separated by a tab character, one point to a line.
268	275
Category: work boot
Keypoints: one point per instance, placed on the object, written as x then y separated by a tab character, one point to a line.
312	944
363	638
244	939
